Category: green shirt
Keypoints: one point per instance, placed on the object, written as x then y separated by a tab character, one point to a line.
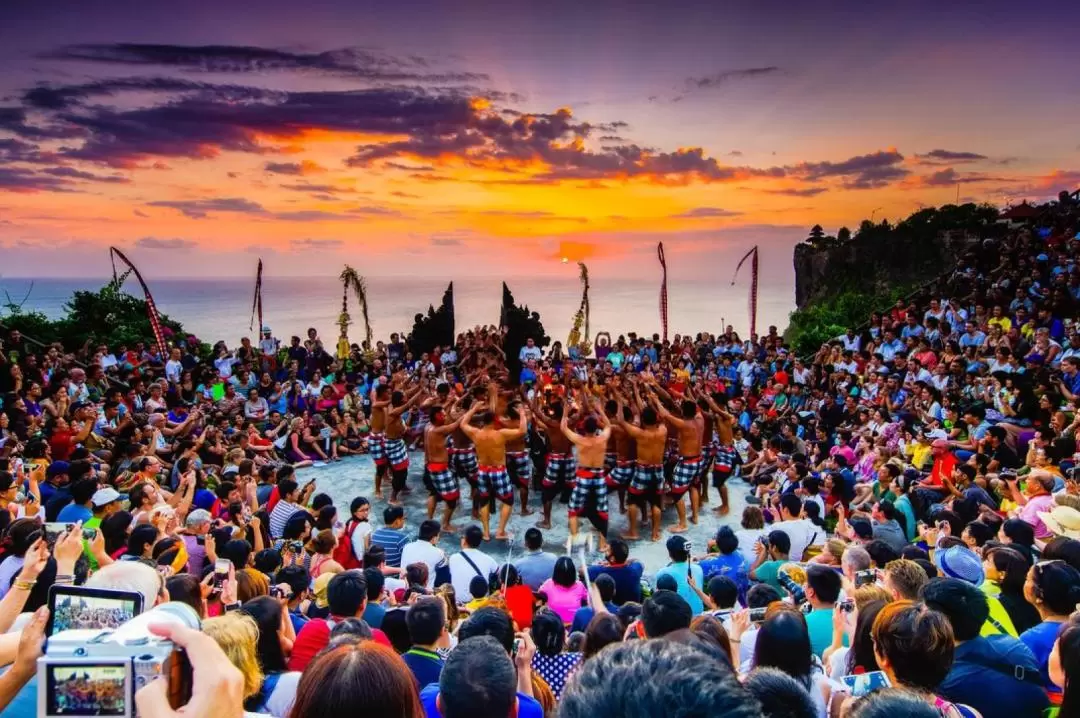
767	573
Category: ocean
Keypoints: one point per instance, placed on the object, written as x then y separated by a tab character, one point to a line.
215	309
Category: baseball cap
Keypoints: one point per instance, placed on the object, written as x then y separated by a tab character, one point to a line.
57	468
104	496
960	562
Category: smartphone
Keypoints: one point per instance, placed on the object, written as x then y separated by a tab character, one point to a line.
864	683
757	615
689	559
54	530
864	578
517	646
221	572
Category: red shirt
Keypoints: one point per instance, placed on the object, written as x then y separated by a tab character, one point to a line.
314	636
61	445
943	467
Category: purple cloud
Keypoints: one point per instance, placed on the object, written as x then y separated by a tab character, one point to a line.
168	244
705	213
952	156
201	208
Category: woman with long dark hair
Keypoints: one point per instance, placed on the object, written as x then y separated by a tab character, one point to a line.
367	678
272	650
783	642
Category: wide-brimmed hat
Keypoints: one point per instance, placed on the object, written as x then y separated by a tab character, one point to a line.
1062	521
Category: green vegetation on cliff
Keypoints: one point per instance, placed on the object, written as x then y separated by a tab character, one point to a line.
840	280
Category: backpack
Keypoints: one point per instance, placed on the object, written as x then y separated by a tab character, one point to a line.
343	553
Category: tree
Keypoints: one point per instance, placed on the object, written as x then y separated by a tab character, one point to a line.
108	316
437	328
816	234
521	324
843	234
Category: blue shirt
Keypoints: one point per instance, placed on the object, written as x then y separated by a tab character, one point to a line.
528	707
392	541
819	623
627	579
73	513
535	567
678	572
1040	640
426	666
732	566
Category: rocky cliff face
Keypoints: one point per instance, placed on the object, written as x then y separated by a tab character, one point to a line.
871	263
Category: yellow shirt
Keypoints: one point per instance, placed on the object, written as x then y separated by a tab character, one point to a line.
1004	322
920	455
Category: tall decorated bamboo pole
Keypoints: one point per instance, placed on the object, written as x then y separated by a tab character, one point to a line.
752	255
151	307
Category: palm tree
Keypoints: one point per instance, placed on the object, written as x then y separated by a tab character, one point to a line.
351	279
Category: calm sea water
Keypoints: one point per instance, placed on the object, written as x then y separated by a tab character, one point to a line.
221	308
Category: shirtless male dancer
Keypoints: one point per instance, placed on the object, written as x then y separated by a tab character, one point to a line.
397	455
492	480
560	474
590	495
622	470
724	454
440	480
518	461
688	469
380	401
650	440
463	455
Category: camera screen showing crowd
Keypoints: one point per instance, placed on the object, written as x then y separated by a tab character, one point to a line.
889	527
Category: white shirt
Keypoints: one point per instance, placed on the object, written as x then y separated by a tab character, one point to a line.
462	574
224	366
747	539
173	370
528	352
801	532
359	538
423	552
851	343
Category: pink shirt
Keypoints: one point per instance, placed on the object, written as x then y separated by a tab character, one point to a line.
1030	512
564	601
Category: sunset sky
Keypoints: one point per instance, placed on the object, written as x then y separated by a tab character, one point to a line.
492	138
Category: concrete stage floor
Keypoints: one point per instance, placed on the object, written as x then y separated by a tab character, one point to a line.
355	475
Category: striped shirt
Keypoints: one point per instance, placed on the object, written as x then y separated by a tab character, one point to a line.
280	516
392	541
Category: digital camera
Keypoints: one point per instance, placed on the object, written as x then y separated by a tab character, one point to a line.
97	672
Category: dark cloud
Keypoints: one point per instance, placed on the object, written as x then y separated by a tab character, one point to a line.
309	215
949	177
405	195
200	208
709	82
19	122
797	192
951	156
14	150
170	244
408	168
374	211
735	153
355	63
871	171
316	243
139	213
446	241
293	168
51	96
73	173
16	179
321	188
705	213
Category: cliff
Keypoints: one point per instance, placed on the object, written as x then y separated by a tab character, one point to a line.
881	257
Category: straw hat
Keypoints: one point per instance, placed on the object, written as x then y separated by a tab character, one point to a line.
1063	521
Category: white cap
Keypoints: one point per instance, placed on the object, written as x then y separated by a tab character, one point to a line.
104	496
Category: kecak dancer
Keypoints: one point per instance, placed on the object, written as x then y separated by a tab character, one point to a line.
620	474
380	403
518	460
397	454
687	475
441	483
589	497
650	440
492	480
725	457
560	476
463	461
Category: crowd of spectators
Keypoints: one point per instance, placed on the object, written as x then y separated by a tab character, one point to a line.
911	544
